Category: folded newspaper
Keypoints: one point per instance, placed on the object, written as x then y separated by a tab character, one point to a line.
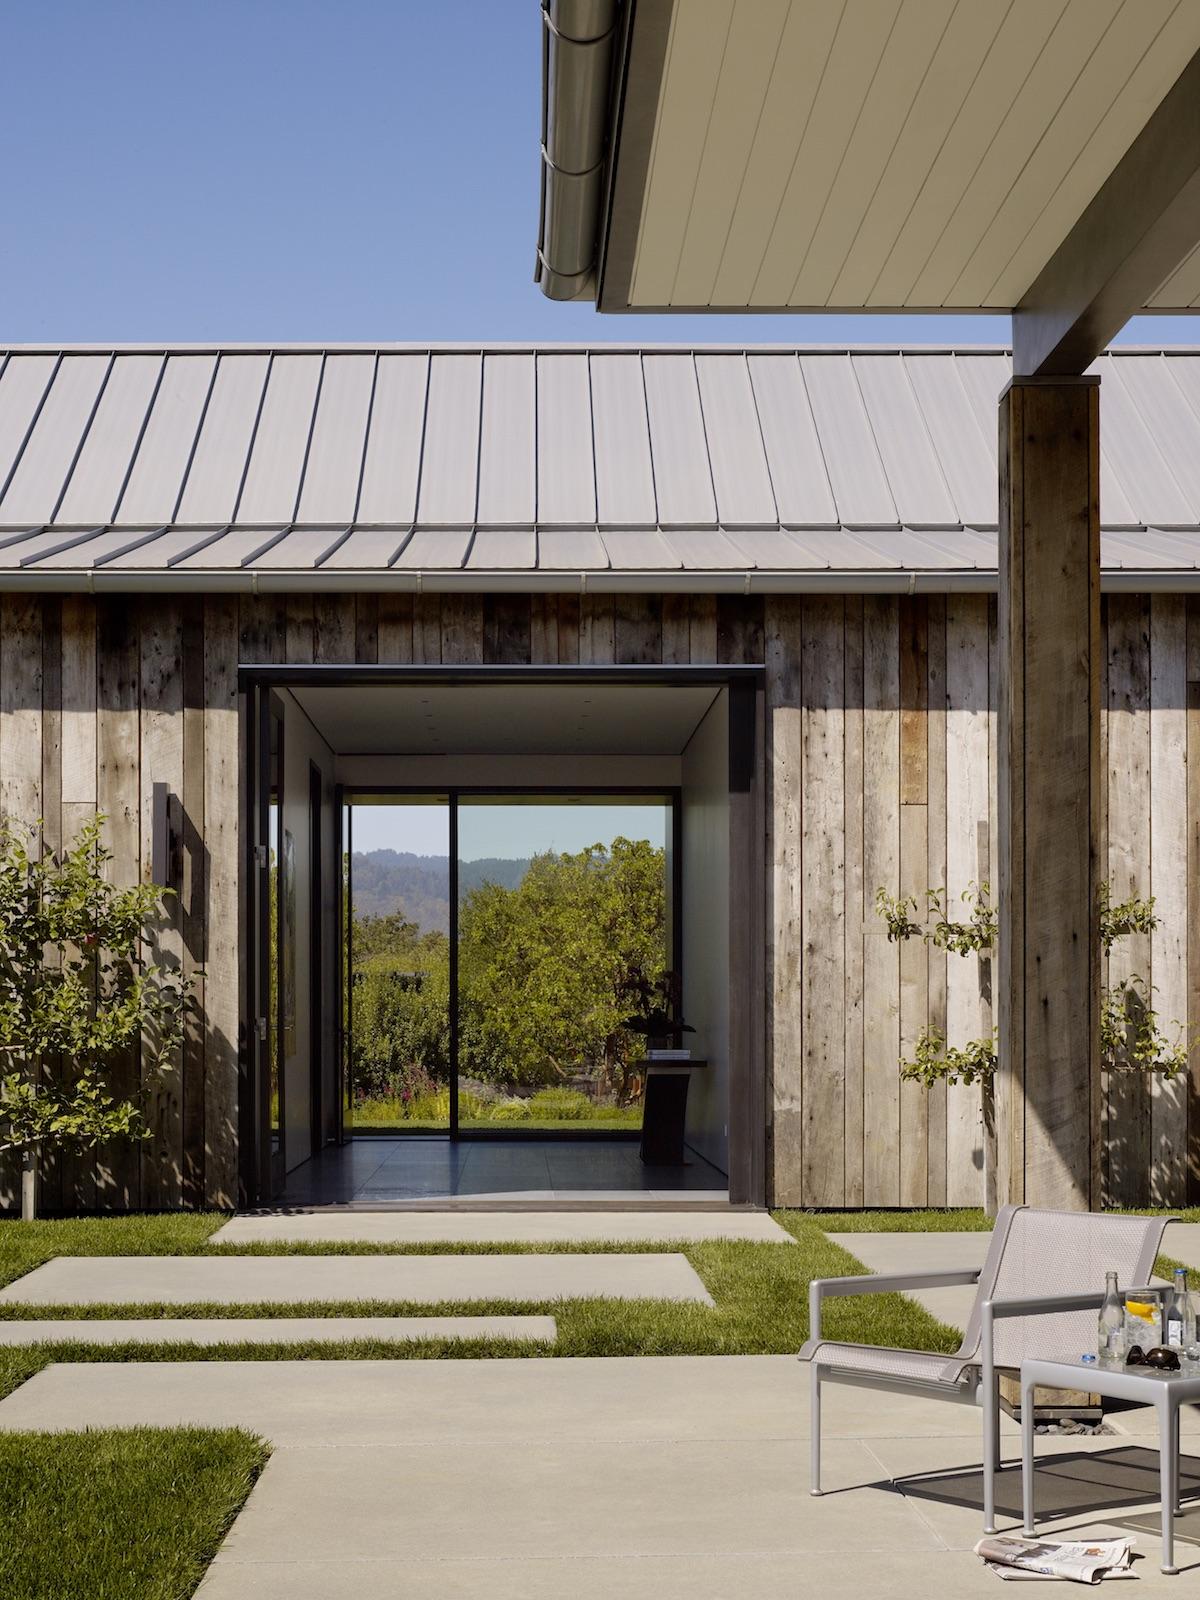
1011	1557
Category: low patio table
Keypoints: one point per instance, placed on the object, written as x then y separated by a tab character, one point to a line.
1147	1386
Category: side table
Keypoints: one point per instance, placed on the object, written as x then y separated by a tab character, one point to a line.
1147	1386
664	1110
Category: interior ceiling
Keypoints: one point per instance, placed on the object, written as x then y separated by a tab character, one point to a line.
507	719
892	153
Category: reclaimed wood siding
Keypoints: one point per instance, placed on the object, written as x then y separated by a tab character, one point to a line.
880	768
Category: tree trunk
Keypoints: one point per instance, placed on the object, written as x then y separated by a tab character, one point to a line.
29	1183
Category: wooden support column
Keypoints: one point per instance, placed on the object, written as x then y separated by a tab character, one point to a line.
1049	792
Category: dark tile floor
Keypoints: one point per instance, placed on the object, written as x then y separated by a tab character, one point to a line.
389	1171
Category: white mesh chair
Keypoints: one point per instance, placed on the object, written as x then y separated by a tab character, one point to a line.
1038	1293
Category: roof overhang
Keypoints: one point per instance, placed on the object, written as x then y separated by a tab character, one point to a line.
885	155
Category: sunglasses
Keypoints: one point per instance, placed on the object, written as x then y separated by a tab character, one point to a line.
1162	1357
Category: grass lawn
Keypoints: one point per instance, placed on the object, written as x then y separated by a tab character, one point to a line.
120	1514
760	1292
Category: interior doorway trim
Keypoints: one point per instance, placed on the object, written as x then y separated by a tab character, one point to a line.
748	1093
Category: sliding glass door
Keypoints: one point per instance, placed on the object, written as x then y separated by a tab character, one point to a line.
397	938
498	947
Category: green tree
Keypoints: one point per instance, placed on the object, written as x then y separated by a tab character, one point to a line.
77	990
546	968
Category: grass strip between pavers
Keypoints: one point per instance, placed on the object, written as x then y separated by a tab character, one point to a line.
121	1513
760	1290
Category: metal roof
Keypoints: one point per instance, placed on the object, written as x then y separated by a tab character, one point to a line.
556	467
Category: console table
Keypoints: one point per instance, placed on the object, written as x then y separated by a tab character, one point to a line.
664	1110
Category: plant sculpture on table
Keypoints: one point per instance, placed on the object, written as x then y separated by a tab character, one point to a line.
77	993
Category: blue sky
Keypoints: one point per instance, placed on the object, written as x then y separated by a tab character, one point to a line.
254	170
511	832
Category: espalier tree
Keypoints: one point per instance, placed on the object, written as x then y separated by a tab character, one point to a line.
1131	1039
77	991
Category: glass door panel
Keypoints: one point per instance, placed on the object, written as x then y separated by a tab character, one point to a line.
564	930
397	940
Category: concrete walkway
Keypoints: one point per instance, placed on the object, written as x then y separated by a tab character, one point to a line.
297	1280
499	1227
273	1330
644	1478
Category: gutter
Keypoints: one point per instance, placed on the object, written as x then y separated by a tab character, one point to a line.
249	580
578	40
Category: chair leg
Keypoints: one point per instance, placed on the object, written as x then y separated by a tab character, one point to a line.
991	1452
814	1429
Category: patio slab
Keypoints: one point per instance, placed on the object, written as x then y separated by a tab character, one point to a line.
910	1252
676	1478
296	1280
273	1330
529	1227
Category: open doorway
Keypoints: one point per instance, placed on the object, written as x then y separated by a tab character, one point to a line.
500	946
520	865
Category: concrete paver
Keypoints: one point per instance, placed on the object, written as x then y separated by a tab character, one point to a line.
513	1227
651	1479
272	1330
294	1280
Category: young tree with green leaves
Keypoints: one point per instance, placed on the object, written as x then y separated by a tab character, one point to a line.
77	991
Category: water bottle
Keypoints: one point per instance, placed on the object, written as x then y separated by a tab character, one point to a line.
1177	1315
1112	1321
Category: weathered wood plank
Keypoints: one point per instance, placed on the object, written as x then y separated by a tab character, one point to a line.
935	959
823	897
333	628
1193	895
56	1172
118	795
222	957
704	628
856	906
395	627
1129	868
79	700
881	869
967	806
676	629
914	700
568	628
193	897
21	710
543	629
162	730
463	640
785	735
597	642
366	628
638	629
427	629
914	880
507	629
1168	884
740	629
301	634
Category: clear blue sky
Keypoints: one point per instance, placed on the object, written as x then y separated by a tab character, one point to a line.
511	832
250	169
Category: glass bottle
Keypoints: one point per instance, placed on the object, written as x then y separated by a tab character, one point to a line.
1111	1322
1175	1329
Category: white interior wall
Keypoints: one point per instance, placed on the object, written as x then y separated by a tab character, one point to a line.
302	745
704	782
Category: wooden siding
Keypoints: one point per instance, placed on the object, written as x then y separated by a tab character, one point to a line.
880	765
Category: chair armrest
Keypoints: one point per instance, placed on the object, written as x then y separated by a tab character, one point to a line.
1032	1306
880	1283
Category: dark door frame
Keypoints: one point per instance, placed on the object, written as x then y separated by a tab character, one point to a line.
749	1113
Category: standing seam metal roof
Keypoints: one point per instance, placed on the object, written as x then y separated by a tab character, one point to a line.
554	466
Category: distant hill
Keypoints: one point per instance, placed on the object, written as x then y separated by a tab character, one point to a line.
386	881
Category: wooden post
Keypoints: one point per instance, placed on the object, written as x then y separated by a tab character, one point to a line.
1049	792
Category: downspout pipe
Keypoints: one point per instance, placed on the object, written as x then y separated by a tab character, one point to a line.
578	39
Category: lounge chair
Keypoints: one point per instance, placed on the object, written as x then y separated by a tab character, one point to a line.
1037	1293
